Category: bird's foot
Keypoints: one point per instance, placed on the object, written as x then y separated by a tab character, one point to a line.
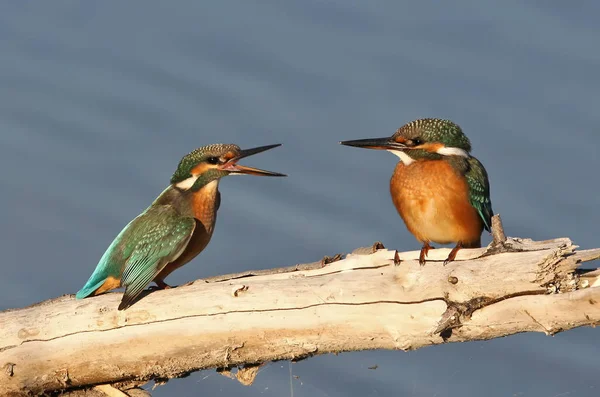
160	284
397	260
452	254
424	252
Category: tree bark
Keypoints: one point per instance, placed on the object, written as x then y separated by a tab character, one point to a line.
373	299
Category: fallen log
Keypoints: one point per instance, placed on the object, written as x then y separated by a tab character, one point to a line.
374	298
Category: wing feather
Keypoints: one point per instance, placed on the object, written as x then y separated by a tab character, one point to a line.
164	237
479	193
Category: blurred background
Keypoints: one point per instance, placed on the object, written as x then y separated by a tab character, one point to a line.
99	101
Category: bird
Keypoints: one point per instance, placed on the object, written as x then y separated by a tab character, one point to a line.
175	228
440	191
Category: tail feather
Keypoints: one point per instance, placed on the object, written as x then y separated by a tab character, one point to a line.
89	288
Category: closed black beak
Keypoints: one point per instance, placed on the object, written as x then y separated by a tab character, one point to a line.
376	143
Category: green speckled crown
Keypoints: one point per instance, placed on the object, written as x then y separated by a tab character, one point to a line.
436	130
192	159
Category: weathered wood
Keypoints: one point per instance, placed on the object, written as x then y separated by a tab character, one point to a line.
364	301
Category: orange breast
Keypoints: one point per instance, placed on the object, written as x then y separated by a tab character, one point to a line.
205	204
433	200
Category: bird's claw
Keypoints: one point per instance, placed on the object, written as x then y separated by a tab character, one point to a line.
397	259
161	285
424	252
453	253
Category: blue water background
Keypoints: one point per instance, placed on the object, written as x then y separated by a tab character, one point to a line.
99	100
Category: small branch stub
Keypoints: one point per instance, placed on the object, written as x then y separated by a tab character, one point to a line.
450	319
498	236
9	369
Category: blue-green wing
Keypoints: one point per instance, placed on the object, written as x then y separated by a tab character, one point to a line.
479	193
113	260
165	236
149	241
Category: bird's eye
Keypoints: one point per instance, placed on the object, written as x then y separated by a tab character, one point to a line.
212	160
417	141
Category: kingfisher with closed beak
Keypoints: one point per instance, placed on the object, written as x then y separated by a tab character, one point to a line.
175	228
440	191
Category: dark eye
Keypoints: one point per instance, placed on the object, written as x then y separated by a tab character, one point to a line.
212	160
417	141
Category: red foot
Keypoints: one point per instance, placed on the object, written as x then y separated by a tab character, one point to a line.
424	252
453	253
161	284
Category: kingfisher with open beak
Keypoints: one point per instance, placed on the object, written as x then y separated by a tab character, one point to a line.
440	191
175	228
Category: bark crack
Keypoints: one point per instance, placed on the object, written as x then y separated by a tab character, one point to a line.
459	312
229	312
455	313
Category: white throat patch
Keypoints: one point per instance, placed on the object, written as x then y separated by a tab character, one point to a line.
187	183
406	159
452	151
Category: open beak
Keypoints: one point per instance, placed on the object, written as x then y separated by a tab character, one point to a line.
233	167
376	143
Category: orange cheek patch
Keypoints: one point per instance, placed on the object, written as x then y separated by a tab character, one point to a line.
201	168
229	155
431	147
400	139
